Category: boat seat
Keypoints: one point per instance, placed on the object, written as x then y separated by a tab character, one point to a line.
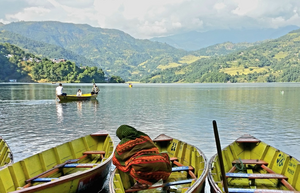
44	179
100	133
242	190
247	139
256	176
246	161
182	168
250	161
76	165
180	182
175	162
162	137
93	152
283	181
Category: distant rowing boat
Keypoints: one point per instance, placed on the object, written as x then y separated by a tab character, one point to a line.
83	97
80	165
6	156
252	166
188	173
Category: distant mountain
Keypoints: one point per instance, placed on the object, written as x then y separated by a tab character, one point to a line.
193	40
272	61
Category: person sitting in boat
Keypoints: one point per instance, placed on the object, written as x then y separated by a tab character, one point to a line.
59	90
137	155
79	93
95	89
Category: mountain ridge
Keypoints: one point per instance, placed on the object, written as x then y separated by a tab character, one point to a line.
193	40
271	61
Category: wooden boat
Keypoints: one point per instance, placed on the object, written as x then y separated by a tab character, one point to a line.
6	156
83	97
80	165
254	166
189	169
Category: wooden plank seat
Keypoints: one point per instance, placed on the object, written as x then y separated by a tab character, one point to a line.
246	161
250	161
283	181
242	190
100	133
102	153
175	162
182	168
180	182
255	176
162	137
77	165
93	152
44	179
247	139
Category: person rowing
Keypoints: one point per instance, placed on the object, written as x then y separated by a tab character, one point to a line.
95	89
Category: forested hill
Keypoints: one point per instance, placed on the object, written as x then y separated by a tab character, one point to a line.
26	67
42	49
273	61
116	52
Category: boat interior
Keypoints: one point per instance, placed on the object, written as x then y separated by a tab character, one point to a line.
189	169
253	165
6	156
57	163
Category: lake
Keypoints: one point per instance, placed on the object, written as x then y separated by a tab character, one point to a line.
31	120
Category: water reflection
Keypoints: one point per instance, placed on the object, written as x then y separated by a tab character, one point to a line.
96	104
29	114
59	112
79	108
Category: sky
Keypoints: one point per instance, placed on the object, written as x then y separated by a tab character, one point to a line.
145	19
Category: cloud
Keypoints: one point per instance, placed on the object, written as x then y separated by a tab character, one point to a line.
149	18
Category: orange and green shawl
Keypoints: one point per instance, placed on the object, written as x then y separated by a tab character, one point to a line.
137	155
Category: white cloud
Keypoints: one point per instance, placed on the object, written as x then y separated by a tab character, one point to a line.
219	6
245	7
148	18
28	13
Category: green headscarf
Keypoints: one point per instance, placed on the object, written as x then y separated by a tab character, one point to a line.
126	133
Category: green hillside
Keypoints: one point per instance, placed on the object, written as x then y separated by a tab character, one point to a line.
273	61
114	51
223	48
26	67
42	49
120	55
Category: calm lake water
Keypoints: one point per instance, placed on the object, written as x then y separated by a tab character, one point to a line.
32	121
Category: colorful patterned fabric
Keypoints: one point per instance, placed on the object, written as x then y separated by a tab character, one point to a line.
137	155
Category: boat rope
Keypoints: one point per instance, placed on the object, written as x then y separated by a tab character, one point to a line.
240	166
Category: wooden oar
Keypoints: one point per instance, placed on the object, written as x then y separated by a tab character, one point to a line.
163	185
52	170
220	156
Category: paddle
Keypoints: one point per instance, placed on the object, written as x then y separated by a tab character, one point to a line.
220	156
163	185
53	169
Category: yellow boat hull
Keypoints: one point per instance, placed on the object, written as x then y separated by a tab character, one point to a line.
83	97
91	155
185	154
6	156
254	166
